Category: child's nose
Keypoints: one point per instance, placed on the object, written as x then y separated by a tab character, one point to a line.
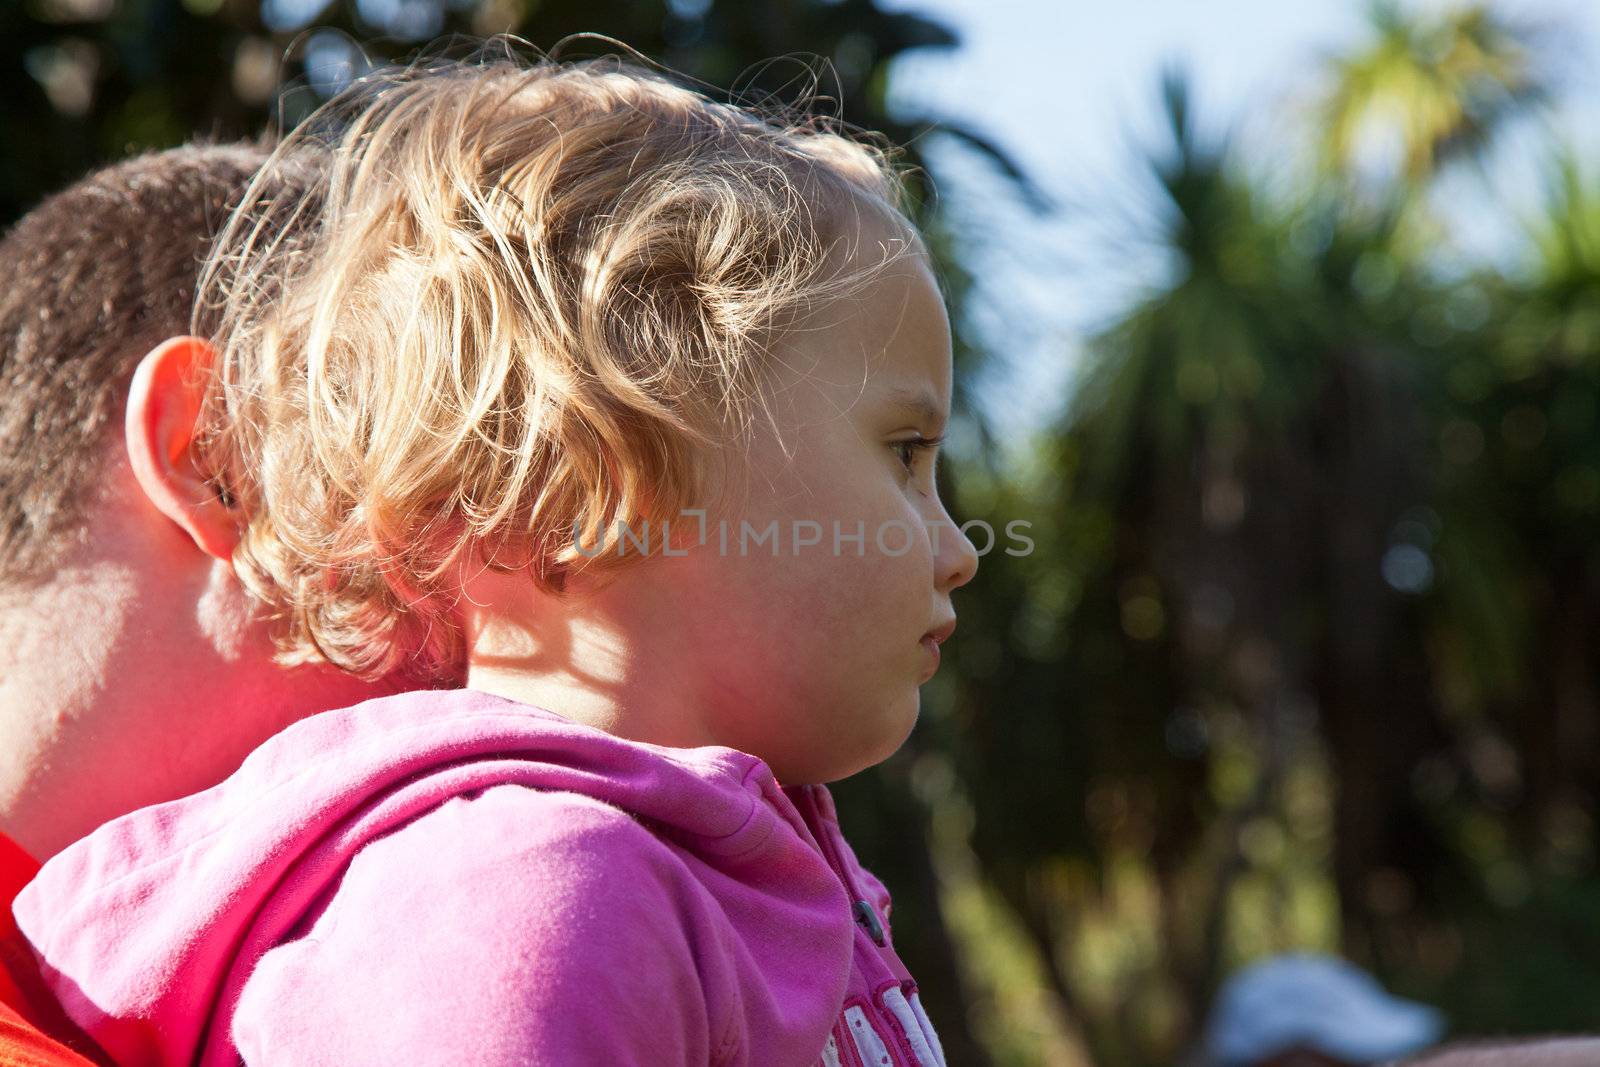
956	562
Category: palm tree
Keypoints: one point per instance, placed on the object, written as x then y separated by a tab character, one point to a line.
1244	584
1427	90
1188	559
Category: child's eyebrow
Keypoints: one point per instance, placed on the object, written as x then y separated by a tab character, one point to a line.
917	402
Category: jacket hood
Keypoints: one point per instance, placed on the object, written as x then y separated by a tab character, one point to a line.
147	928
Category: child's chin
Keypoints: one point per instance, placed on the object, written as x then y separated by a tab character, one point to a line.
855	749
897	730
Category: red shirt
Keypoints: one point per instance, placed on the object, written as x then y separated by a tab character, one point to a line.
34	1031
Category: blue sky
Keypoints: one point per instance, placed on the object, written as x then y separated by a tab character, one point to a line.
1068	87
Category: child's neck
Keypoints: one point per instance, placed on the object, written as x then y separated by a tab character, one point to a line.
578	659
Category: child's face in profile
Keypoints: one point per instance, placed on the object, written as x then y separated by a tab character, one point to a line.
798	628
818	652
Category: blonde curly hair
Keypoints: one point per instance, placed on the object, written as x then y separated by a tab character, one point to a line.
522	302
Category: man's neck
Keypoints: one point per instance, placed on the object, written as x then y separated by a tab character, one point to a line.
58	657
117	693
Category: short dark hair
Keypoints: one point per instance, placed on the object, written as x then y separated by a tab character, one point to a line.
94	277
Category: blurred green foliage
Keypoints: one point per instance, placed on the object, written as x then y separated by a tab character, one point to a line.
1305	653
1307	656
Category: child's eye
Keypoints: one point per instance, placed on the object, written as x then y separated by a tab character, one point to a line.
908	450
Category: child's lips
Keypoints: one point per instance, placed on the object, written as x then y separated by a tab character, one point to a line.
933	639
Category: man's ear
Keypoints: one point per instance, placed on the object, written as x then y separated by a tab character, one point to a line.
163	408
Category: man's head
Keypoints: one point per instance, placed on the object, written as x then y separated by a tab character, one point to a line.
96	276
132	667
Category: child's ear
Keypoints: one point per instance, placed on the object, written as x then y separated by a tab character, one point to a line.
163	407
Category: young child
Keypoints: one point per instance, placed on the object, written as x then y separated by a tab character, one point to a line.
628	401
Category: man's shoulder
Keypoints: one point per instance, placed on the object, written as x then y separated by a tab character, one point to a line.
25	1003
17	869
24	1045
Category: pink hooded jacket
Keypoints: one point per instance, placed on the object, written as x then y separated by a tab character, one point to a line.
454	878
